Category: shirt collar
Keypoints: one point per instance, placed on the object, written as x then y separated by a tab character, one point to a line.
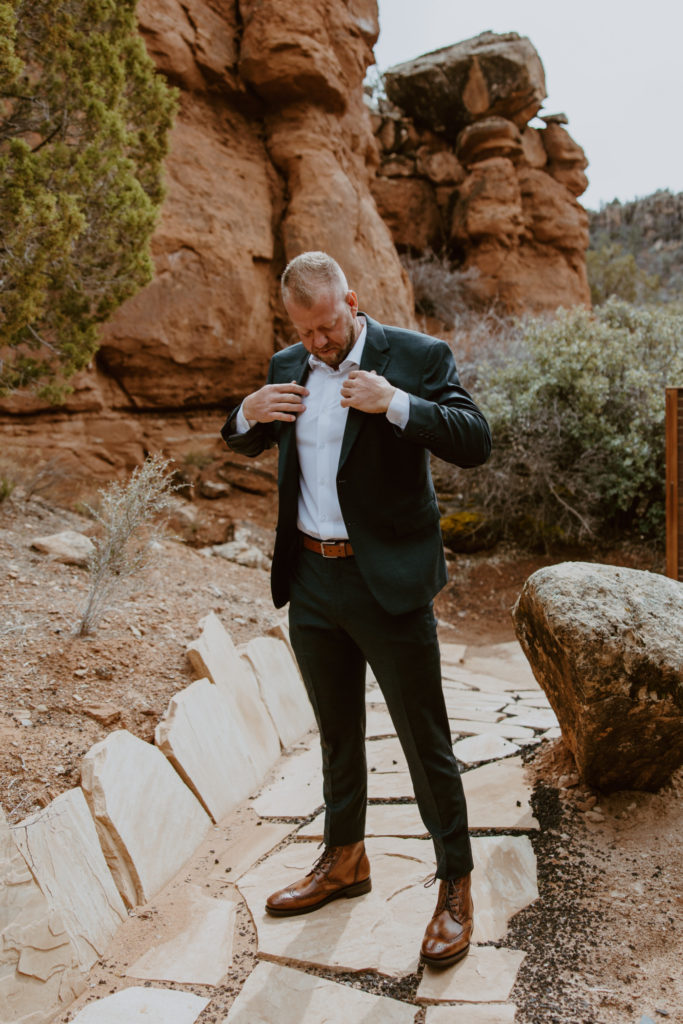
353	358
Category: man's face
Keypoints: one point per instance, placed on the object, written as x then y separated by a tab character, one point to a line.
328	328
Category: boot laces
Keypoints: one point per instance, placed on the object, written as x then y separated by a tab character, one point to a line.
325	860
450	896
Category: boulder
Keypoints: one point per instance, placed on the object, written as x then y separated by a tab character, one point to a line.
489	203
488	75
492	136
604	642
410	209
69	546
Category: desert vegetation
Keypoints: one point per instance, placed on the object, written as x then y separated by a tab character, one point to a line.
84	120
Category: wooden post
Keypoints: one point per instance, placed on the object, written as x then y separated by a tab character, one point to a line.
674	483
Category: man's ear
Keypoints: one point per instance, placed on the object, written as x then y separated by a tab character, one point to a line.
352	301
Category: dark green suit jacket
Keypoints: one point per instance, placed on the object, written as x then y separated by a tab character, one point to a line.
383	480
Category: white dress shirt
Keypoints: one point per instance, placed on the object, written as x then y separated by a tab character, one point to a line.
319	434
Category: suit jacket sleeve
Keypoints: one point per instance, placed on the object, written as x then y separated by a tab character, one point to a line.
254	441
443	417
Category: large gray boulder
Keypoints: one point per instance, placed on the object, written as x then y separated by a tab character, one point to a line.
606	645
488	75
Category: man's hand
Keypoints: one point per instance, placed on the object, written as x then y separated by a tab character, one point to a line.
367	392
275	402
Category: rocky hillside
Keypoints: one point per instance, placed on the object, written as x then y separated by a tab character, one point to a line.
652	229
275	150
463	172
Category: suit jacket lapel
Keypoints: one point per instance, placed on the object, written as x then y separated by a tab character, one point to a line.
288	460
375	357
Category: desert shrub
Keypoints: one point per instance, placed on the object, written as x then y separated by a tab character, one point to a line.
6	488
576	407
84	122
614	272
128	515
440	288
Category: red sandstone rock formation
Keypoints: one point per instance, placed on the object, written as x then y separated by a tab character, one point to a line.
275	151
272	153
507	205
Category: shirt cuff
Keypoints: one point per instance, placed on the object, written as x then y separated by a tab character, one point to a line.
242	424
398	412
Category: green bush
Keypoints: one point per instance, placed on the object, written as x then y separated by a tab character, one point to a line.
576	407
84	122
614	273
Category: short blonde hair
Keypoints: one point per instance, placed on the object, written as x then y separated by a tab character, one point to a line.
310	274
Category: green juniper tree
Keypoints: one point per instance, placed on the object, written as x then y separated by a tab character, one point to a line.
84	121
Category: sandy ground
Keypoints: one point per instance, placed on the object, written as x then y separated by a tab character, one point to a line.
604	939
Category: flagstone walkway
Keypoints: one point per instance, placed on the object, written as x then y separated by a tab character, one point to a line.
183	957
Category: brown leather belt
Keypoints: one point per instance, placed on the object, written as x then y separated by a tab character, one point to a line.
327	548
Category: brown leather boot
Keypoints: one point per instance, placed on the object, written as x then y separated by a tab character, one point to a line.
339	871
447	938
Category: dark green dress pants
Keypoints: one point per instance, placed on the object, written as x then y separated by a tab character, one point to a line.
336	626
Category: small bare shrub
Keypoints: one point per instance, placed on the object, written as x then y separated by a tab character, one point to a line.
128	515
440	288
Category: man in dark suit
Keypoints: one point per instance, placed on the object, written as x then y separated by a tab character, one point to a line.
356	408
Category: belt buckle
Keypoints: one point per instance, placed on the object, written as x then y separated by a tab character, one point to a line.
328	543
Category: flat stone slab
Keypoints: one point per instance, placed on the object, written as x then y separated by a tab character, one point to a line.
471	1013
297	789
382	930
485	747
385	756
69	546
519	733
281	688
148	822
390	786
486	975
61	847
381	820
457	710
378	721
39	972
503	882
198	949
498	796
452	653
214	656
238	855
207	746
535	718
273	993
143	1006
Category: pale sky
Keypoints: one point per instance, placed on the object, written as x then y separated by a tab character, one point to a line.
615	67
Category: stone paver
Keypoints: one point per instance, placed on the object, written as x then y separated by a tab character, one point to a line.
148	821
39	971
274	993
297	789
205	743
199	951
382	930
60	846
486	975
143	1006
521	734
238	855
485	747
470	1013
214	656
535	718
281	687
498	796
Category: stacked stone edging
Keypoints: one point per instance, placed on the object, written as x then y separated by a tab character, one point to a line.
69	871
